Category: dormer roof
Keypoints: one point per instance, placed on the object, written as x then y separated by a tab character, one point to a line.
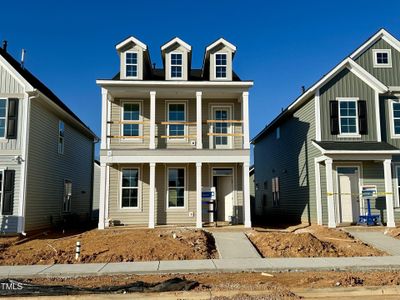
129	40
221	41
176	40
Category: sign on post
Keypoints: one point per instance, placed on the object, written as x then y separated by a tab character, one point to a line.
208	203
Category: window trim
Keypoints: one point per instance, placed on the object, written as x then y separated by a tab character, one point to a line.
346	134
137	64
61	151
139	188
215	66
393	134
70	202
185	126
171	65
397	198
375	58
185	191
276	191
231	127
2	138
133	140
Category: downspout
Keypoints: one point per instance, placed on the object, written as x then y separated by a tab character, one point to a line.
94	142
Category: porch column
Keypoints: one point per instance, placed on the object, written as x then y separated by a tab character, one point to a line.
329	193
199	123
387	169
104	120
199	221
318	192
152	186
246	195
103	195
152	144
245	120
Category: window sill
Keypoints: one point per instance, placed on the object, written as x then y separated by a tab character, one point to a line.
382	66
349	136
4	140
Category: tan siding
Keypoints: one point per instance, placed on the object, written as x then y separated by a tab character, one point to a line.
47	169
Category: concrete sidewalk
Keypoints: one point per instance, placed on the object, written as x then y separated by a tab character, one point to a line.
378	240
204	266
234	245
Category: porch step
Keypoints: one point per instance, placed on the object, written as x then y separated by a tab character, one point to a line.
234	245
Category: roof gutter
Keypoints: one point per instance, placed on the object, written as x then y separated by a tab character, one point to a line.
245	84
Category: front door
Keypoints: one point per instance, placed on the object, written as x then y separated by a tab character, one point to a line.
223	183
348	181
222	129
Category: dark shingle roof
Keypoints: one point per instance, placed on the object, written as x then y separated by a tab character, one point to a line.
355	146
37	84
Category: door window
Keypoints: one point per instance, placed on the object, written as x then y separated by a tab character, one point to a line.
224	127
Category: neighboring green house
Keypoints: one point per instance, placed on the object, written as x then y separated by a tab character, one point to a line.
341	136
46	154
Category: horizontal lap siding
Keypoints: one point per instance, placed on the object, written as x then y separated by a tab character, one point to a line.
47	169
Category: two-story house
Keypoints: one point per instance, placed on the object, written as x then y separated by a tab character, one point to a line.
170	133
46	154
341	136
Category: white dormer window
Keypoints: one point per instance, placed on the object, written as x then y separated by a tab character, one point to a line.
382	58
220	65
131	62
176	65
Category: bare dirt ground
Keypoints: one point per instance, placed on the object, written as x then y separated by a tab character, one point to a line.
278	285
113	245
311	241
394	232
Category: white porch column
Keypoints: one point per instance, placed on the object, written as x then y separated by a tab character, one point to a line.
104	113
246	195
329	193
152	144
387	169
199	123
318	192
199	221
103	196
245	119
152	194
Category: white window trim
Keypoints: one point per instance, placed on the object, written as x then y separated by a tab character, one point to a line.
70	203
393	135
4	138
215	66
2	192
139	188
375	59
185	193
137	64
177	140
61	151
132	140
396	186
171	65
213	107
349	135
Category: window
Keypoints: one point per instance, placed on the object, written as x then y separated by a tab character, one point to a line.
382	58
275	191
61	136
278	133
67	196
176	187
176	113
131	64
176	65
220	65
130	188
3	117
348	117
222	128
131	112
396	118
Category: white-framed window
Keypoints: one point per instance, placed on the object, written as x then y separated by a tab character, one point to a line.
220	65
223	114
348	117
3	117
275	191
395	122
67	196
382	58
176	187
278	133
131	111
176	113
61	136
176	65
130	188
131	64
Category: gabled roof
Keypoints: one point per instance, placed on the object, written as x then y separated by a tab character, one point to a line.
330	147
221	41
128	40
381	34
177	41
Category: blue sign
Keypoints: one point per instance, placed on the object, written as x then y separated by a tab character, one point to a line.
206	194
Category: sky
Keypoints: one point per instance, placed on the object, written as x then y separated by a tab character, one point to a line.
281	45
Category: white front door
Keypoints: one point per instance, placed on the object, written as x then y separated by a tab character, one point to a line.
348	181
225	198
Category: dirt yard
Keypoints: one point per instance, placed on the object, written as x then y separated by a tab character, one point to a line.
312	241
394	232
113	245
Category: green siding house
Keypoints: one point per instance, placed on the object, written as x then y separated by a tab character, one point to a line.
340	137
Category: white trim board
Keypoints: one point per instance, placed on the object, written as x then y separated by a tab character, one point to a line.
128	40
177	41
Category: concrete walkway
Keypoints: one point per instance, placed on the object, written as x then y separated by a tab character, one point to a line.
232	245
205	266
378	240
